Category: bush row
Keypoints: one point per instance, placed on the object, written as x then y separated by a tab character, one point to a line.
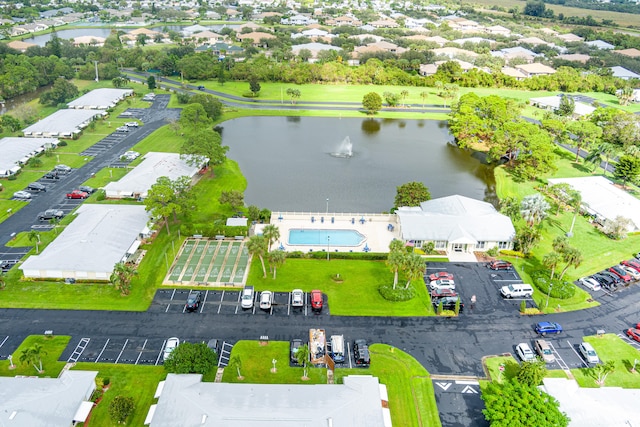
397	294
560	289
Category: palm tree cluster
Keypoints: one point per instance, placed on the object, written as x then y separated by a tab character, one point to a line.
400	259
260	245
32	356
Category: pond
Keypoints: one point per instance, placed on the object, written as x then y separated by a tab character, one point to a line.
297	163
42	39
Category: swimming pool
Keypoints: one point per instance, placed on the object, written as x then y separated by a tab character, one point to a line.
299	236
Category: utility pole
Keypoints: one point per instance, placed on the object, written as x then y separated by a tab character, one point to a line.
96	65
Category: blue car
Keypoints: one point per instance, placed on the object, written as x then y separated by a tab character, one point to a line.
544	328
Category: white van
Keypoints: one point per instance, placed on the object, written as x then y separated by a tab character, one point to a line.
337	348
517	291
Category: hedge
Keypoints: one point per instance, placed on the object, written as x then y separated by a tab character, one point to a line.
397	294
560	289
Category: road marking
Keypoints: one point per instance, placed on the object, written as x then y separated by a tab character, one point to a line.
4	341
623	336
349	354
79	350
173	294
465	382
507	280
204	301
582	361
221	298
289	305
140	354
105	346
444	386
469	390
161	350
121	351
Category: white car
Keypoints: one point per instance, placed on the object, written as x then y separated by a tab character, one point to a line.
635	275
171	345
590	283
122	129
132	124
442	284
589	353
266	298
21	195
62	168
246	300
297	298
524	352
131	155
127	114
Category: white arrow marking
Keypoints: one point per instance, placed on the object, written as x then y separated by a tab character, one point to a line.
469	389
444	386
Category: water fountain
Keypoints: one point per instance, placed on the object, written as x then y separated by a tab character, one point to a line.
345	149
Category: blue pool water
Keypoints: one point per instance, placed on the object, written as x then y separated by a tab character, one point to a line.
319	237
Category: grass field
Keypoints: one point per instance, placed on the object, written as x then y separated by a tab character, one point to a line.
52	348
356	295
611	347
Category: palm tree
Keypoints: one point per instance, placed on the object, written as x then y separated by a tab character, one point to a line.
122	276
414	267
236	362
573	257
32	355
55	221
276	259
302	356
606	150
395	259
257	245
551	261
34	236
404	94
424	95
534	209
625	95
575	201
271	233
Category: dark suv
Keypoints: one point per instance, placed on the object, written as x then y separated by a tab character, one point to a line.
50	214
193	302
36	186
499	265
361	353
448	303
295	346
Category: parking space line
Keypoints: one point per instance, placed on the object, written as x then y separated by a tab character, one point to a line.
4	341
221	298
173	294
586	365
349	354
289	305
563	365
140	354
623	336
160	353
103	348
121	351
204	301
167	309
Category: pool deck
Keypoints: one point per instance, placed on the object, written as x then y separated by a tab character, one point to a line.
375	227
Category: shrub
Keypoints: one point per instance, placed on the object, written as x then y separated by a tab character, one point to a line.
120	408
62	144
349	255
559	289
429	248
395	295
523	306
508	252
493	251
101	195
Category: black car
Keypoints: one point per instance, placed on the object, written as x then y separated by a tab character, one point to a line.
36	186
615	278
87	189
361	353
200	87
194	300
448	303
294	347
52	175
606	281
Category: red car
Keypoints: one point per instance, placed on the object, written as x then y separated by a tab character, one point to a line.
440	275
634	333
632	263
621	273
77	194
316	300
441	293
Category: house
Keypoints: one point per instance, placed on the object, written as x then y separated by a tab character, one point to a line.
62	123
518	52
600	44
19	45
453	52
360	401
574	57
456	224
552	103
513	72
314	48
17	151
570	38
440	41
100	99
298	20
191	29
89	41
534	41
384	23
464	25
623	73
255	38
207	37
349	21
631	53
498	30
535	69
431	69
548	31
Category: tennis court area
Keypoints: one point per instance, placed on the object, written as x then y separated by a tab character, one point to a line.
210	262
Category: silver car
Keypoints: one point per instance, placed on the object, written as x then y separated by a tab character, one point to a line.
297	298
525	352
589	353
246	300
21	195
171	345
590	283
266	299
544	350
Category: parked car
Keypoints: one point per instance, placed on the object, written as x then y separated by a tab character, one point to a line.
214	345
62	168
361	354
589	353
635	274
615	277
126	114
517	290
21	195
294	346
634	333
193	301
316	300
606	281
52	175
130	155
499	265
442	284
633	263
543	348
590	283
618	271
200	87
448	303
544	328
440	275
171	345
297	298
441	293
36	186
122	129
87	189
50	214
246	301
132	124
266	299
77	194
524	352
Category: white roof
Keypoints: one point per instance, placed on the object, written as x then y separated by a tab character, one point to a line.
456	219
14	149
143	176
581	109
63	122
54	402
100	98
313	47
187	401
237	222
623	73
604	198
594	407
94	242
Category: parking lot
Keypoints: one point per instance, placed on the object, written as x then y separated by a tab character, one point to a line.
228	302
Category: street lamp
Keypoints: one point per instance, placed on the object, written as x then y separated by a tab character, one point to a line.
549	293
328	240
327	206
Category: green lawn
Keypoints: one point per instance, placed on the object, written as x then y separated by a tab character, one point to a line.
357	295
52	348
411	396
163	140
611	347
138	382
509	363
